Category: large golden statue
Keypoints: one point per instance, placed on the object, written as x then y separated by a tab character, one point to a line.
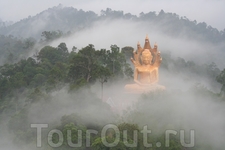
146	62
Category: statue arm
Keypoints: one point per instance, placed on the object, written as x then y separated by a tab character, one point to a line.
133	61
136	76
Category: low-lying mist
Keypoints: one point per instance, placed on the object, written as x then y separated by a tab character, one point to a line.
127	33
190	101
184	105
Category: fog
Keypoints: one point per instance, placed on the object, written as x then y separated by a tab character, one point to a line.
209	11
180	106
185	111
127	33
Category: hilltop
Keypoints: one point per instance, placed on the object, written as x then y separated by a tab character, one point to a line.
69	19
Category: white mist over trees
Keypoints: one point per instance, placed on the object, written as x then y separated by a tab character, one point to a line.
67	68
76	26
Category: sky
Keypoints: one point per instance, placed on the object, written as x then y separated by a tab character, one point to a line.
209	11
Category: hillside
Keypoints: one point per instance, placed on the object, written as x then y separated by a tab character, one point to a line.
56	18
64	90
70	19
67	24
64	71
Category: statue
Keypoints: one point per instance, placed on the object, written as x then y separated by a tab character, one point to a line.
146	62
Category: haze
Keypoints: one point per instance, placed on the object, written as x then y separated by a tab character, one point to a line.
128	33
181	106
209	11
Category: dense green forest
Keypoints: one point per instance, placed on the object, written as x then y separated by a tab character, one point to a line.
71	19
54	66
82	89
25	37
30	83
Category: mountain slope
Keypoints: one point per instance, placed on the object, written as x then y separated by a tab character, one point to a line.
70	19
56	18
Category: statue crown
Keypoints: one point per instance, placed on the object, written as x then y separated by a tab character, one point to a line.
146	53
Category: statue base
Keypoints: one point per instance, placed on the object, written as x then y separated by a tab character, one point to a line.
139	89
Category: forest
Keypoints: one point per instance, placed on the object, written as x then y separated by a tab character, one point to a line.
69	89
31	83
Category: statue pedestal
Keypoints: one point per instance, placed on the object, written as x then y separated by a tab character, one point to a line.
139	89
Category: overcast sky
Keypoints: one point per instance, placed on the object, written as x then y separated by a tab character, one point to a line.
210	11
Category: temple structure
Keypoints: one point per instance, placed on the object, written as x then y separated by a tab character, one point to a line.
146	62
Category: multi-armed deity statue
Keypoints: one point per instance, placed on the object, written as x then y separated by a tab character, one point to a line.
146	62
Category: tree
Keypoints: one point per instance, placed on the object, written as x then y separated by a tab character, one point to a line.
10	58
83	64
54	55
4	87
51	35
221	79
103	75
29	43
128	52
63	49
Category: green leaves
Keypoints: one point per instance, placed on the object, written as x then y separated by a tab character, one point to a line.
221	79
51	35
91	64
56	66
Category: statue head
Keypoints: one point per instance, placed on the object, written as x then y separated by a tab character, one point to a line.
146	57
